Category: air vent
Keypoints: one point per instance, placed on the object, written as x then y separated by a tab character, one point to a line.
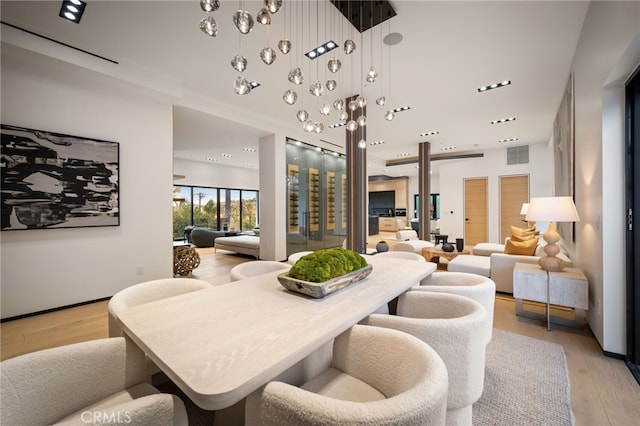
518	155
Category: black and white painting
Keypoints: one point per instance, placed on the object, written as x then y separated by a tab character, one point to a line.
51	180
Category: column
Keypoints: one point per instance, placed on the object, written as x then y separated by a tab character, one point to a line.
357	215
424	190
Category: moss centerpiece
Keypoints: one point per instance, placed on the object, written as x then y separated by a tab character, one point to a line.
325	271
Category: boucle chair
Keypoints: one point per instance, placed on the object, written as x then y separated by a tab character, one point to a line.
257	267
294	257
391	306
479	288
378	377
454	327
100	381
147	292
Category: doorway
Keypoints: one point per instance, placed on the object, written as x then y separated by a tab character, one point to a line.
475	210
514	191
632	196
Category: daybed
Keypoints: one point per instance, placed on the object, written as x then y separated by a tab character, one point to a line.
244	244
409	242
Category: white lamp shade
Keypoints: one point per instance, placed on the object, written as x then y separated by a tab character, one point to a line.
552	209
525	208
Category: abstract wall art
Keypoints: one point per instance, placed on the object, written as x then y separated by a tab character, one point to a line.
52	180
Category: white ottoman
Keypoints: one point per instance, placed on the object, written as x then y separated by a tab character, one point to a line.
480	265
485	249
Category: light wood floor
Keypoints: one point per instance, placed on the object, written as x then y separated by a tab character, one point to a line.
603	391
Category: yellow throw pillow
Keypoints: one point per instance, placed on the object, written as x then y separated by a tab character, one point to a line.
526	248
520	232
519	238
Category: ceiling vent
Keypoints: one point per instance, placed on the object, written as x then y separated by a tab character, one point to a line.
518	155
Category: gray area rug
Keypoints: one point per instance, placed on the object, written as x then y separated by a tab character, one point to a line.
526	383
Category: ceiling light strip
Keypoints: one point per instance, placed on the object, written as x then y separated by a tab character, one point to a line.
494	86
503	120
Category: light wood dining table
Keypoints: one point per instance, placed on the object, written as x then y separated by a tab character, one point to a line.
220	344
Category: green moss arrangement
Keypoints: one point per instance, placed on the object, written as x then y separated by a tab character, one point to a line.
323	265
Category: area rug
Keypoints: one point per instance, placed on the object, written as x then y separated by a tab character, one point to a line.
526	383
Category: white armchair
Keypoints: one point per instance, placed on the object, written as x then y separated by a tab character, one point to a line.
378	377
453	326
89	382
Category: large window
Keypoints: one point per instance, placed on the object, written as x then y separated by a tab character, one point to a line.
214	208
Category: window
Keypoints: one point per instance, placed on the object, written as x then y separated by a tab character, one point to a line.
214	208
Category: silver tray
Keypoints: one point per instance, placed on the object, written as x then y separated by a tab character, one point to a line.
320	290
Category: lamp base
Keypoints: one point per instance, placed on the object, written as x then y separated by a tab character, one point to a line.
550	262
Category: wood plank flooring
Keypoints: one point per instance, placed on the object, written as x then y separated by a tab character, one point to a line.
603	391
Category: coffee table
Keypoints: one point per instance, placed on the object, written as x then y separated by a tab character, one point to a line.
433	254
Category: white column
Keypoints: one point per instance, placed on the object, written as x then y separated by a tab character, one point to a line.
273	214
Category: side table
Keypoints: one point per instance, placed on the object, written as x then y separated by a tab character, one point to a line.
431	253
567	288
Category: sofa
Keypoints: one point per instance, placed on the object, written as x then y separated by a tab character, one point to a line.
489	260
408	241
204	237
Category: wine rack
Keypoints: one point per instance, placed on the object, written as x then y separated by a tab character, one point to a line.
343	203
293	182
314	200
331	201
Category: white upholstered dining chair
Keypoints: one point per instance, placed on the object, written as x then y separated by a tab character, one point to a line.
377	377
454	327
257	267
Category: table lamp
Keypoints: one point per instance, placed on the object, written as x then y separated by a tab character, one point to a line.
552	209
523	213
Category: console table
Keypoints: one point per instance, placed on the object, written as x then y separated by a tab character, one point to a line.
566	288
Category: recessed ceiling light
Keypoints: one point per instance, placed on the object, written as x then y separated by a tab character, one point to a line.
376	143
508	140
429	133
248	165
254	84
402	108
503	120
403	154
333	126
494	86
226	155
249	149
321	50
72	10
448	148
213	160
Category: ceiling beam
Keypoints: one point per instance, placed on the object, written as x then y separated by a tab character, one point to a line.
435	157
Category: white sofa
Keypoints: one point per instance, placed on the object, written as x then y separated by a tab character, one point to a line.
498	265
245	244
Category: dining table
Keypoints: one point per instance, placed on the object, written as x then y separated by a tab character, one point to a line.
222	343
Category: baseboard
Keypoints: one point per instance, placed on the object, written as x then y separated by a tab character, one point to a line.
46	311
635	370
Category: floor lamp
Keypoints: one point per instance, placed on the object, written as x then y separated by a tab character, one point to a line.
552	210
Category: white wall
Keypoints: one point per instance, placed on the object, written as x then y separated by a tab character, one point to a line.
198	173
492	166
607	53
43	269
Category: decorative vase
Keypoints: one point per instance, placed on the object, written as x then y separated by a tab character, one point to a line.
448	247
382	247
460	244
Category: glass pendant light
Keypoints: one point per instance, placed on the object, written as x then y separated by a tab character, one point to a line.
273	5
268	55
243	21
372	74
325	109
349	47
290	97
308	126
334	65
302	115
241	86
209	26
284	45
352	125
381	100
389	115
316	88
343	115
331	84
318	127
362	121
361	101
239	63
362	144
263	16
338	104
353	105
296	76
209	5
